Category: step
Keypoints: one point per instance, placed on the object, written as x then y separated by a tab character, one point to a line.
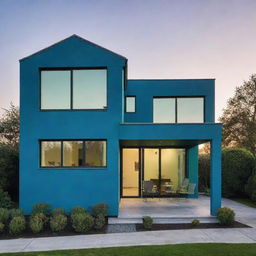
161	220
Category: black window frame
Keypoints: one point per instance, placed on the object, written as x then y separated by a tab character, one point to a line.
130	96
71	69
62	155
176	108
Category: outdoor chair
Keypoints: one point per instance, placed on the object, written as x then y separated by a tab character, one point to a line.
149	189
190	189
184	186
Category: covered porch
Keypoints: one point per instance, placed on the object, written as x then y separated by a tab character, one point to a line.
158	146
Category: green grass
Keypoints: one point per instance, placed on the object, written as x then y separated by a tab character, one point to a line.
160	250
245	201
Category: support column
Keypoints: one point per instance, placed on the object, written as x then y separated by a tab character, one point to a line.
215	176
193	169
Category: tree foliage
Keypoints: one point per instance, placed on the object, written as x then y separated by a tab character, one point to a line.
239	117
10	126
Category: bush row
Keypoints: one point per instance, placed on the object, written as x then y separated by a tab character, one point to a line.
43	217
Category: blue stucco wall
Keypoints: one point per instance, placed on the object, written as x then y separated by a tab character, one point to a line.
145	90
69	187
192	162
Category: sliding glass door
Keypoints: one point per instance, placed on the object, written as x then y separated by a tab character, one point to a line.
150	172
130	172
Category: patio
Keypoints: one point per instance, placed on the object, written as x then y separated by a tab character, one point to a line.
165	207
175	210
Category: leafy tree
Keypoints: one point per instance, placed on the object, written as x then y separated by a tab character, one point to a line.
10	126
239	117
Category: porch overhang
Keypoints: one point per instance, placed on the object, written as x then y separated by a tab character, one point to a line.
179	134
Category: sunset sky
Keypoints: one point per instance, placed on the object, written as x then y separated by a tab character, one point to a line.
161	39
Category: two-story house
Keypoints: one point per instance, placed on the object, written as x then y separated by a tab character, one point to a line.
90	135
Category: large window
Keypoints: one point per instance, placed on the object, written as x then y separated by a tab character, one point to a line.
73	153
74	89
164	110
178	110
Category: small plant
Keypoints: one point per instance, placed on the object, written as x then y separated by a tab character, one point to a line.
100	209
5	199
99	222
78	209
226	216
16	213
4	215
1	227
17	225
58	211
82	222
207	191
44	218
43	208
147	222
58	222
36	223
195	222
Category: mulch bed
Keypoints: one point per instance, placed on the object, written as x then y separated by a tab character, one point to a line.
139	227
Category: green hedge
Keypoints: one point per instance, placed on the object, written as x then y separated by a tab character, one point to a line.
237	166
204	166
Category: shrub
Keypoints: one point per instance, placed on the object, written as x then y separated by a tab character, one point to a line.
78	209
58	211
42	217
9	171
17	225
147	222
16	213
195	222
226	216
100	209
253	196
4	215
1	227
36	223
82	222
237	166
58	222
99	222
204	167
5	199
250	187
43	208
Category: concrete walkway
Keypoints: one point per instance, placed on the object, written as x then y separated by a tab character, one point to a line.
245	215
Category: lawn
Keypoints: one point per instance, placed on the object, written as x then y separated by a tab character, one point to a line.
245	201
160	250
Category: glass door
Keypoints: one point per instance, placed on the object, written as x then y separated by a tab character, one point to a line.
150	177
130	172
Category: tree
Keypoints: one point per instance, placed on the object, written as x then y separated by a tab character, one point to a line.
10	126
239	117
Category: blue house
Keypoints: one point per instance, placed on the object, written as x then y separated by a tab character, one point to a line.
90	135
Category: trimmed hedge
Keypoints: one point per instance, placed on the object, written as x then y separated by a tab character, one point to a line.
237	166
204	166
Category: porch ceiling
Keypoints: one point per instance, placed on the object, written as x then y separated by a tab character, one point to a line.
161	143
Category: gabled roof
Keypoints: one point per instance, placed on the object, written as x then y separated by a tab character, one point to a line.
74	36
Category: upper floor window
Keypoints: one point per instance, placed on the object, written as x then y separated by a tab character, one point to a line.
178	110
74	89
130	104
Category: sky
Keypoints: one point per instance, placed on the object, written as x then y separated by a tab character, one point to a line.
161	38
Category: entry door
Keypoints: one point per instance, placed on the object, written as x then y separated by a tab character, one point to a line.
130	172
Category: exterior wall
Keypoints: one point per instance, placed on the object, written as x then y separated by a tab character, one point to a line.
69	187
145	90
193	168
